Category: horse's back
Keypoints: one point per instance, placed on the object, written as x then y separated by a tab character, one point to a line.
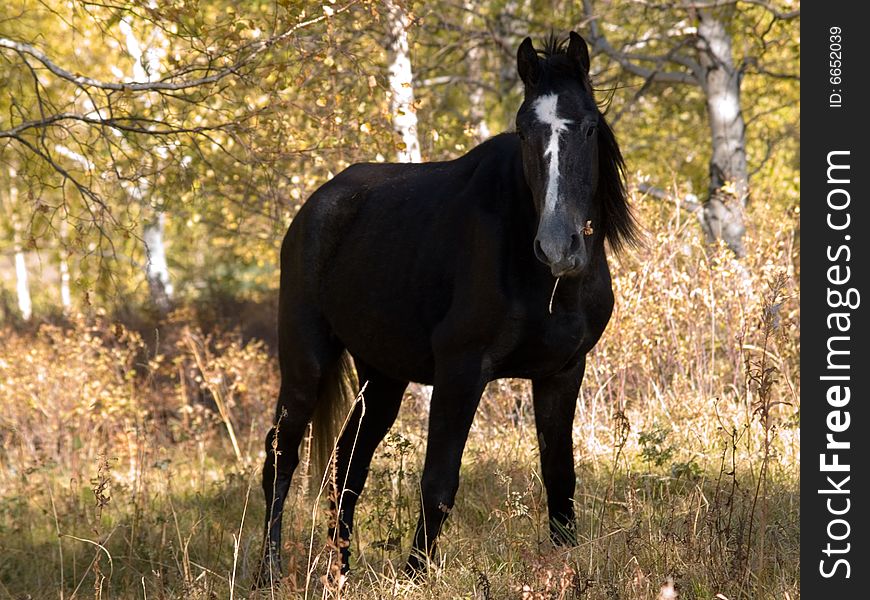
389	211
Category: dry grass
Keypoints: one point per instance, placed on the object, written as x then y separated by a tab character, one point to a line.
120	477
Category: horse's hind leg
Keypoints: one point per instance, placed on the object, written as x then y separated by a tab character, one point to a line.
369	423
307	353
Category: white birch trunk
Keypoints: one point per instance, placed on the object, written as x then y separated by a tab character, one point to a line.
156	267
474	58
401	79
401	96
146	67
22	283
25	305
62	251
722	217
65	296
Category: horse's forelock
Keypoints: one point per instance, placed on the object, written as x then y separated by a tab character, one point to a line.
556	63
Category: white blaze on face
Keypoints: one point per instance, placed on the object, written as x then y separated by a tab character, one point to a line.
546	110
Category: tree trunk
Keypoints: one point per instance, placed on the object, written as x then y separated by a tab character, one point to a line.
146	67
474	58
63	255
722	216
25	305
156	267
22	284
401	78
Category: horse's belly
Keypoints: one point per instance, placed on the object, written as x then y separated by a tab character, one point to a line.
393	356
394	343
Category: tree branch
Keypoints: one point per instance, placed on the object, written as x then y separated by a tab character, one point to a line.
119	123
752	65
708	4
248	53
627	60
689	203
777	14
83	189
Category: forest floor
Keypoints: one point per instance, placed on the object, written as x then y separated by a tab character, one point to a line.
131	469
178	514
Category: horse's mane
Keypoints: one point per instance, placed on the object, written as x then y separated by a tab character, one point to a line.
619	225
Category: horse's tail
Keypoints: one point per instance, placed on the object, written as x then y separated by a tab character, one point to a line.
334	400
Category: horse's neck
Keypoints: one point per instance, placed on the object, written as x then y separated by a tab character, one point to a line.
518	177
521	205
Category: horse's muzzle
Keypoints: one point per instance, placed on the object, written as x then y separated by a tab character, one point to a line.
564	255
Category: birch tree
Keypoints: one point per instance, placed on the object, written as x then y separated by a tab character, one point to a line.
63	232
63	267
147	68
401	83
22	279
701	54
474	60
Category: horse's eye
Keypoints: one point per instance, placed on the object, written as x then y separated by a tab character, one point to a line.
522	135
590	131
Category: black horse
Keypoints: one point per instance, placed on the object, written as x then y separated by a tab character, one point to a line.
452	274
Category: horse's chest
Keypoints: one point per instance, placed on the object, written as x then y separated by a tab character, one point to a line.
547	344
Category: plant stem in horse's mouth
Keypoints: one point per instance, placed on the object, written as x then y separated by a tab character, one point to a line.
553	295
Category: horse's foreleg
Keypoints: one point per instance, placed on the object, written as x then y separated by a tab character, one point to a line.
454	401
554	399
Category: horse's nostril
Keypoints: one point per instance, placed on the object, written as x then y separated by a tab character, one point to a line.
575	243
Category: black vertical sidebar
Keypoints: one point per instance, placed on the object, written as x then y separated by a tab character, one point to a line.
835	261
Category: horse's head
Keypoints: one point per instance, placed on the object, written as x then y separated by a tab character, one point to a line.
563	142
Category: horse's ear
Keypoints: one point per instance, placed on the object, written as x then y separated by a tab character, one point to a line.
578	51
528	65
